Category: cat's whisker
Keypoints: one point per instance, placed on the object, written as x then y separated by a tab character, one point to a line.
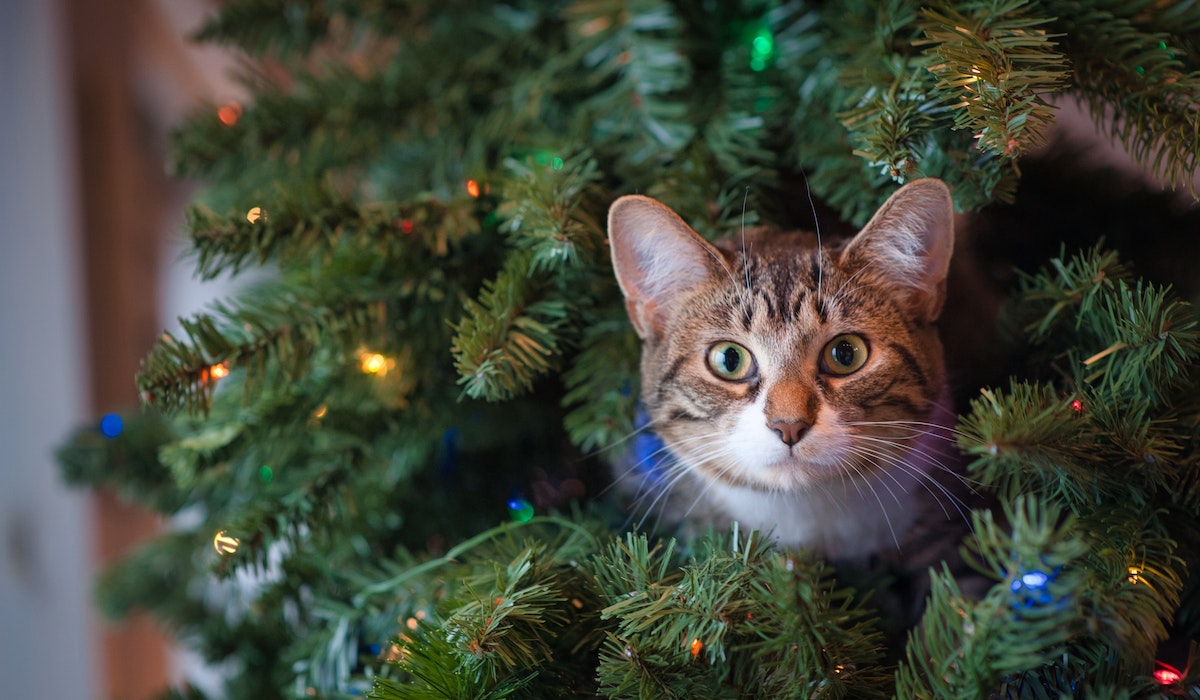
661	487
660	492
820	248
870	484
934	429
932	459
916	431
745	254
700	495
875	456
922	476
922	479
709	485
646	465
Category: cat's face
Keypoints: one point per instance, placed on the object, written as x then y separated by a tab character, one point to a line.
772	364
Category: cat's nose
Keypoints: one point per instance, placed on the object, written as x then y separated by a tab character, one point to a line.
790	431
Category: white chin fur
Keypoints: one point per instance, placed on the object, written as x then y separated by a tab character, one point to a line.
843	520
807	496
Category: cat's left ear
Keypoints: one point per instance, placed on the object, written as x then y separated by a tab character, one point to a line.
907	245
658	260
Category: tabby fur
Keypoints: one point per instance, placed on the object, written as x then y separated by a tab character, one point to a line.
841	463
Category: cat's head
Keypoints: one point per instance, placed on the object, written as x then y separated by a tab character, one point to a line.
773	364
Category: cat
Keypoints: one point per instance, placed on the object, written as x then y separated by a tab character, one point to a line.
798	389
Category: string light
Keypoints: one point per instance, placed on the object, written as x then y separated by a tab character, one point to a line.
1032	588
472	188
1166	674
375	363
111	426
520	510
762	49
255	215
1077	406
697	645
214	373
229	113
225	544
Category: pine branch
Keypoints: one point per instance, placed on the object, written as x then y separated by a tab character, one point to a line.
1135	65
1034	610
268	25
510	627
498	625
295	130
771	624
1153	346
845	63
280	332
1138	576
291	230
1029	439
424	655
892	126
127	462
1133	341
636	75
553	210
376	116
999	58
812	634
511	335
740	95
1054	299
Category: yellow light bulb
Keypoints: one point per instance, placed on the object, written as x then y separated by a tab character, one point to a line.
374	363
225	544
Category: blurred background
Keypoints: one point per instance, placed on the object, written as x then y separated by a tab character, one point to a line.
90	274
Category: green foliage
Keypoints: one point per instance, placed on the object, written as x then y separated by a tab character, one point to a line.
1135	65
525	318
508	338
999	57
441	335
737	619
1066	616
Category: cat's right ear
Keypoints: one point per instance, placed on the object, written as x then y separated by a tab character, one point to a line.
657	258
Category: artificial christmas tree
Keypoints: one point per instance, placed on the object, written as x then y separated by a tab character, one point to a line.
442	348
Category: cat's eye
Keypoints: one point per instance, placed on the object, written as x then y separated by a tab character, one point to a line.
844	354
730	361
